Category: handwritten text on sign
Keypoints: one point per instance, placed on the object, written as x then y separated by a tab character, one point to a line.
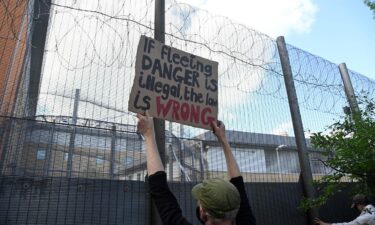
174	85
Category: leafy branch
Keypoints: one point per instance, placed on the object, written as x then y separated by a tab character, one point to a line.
371	5
349	148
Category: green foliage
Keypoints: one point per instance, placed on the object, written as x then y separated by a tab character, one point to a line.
371	5
349	148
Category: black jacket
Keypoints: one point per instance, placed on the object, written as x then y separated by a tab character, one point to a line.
170	212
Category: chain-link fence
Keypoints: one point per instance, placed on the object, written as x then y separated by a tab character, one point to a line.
70	152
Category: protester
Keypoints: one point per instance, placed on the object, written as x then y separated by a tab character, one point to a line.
361	203
219	202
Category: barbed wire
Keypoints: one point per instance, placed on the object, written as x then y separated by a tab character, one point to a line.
92	44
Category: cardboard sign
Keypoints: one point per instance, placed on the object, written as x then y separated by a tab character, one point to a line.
174	85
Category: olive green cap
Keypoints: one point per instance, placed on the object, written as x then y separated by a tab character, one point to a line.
218	197
359	199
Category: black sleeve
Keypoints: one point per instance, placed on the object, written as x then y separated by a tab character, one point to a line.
166	203
245	214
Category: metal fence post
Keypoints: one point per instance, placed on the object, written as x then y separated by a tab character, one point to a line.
39	36
348	87
181	155
297	125
73	134
113	152
6	126
201	160
159	35
170	161
159	124
50	150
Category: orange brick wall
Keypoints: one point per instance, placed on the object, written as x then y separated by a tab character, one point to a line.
13	31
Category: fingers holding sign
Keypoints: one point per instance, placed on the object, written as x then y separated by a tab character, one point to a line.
218	129
145	124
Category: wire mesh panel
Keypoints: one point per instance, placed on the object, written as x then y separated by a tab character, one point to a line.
72	156
71	201
321	96
362	85
70	151
92	47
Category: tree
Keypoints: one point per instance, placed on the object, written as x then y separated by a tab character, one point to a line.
371	5
349	148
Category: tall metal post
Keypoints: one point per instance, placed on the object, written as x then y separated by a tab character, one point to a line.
170	161
73	134
297	125
159	35
201	160
170	152
50	149
159	124
181	154
38	41
348	87
113	152
278	164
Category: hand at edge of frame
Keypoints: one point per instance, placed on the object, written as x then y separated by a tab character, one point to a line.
320	222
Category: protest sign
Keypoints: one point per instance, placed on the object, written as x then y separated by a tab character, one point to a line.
174	85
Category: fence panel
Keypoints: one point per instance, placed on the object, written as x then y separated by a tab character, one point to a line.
88	167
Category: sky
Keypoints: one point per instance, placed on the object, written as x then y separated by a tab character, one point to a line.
341	31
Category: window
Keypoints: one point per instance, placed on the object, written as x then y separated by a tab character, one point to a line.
66	156
41	154
128	160
99	160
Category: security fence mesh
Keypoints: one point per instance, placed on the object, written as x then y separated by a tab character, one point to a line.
70	151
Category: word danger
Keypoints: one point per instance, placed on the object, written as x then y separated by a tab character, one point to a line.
178	68
170	72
